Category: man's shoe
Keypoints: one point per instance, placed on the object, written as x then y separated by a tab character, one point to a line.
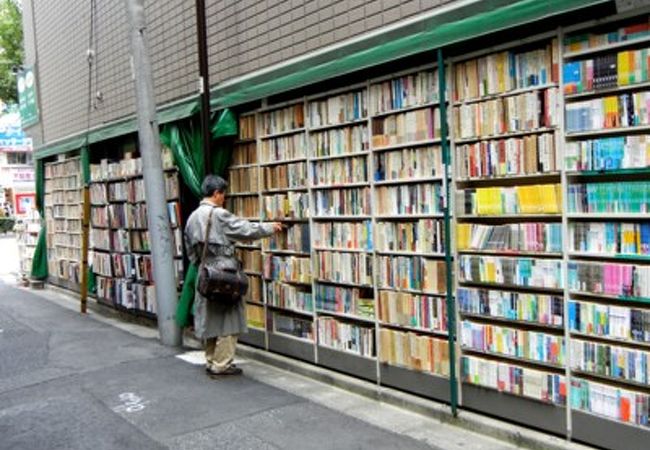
231	370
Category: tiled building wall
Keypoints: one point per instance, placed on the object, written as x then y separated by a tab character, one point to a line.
243	36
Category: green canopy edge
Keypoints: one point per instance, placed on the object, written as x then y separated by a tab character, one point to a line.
168	113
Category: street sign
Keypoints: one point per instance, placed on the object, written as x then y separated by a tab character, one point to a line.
27	97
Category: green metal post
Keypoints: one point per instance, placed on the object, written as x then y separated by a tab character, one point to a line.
451	307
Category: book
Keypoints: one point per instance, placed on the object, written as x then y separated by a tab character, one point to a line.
611	321
283	176
409	163
524	272
529	111
339	171
408	199
619	280
512	237
505	71
517	306
413	273
610	238
628	109
292	326
610	197
345	336
524	344
407	127
620	404
414	351
636	29
528	199
283	119
611	361
505	377
295	237
255	317
246	207
281	149
608	153
339	141
247	128
292	205
420	88
243	180
355	268
351	301
344	201
410	310
421	235
287	268
527	155
287	296
344	235
337	109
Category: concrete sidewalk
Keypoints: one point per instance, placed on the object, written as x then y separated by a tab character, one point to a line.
68	381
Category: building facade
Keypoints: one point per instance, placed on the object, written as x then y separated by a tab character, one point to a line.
464	185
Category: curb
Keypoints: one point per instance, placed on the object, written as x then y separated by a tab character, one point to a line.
500	430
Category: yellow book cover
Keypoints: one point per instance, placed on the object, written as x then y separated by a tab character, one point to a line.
490	271
501	71
548	198
524	199
496	206
463	235
623	68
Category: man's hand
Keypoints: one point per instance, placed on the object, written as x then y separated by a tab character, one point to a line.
277	227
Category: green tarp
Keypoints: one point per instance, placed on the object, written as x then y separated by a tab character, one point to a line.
39	262
186	144
451	26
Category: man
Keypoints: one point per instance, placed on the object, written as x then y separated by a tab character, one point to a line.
219	323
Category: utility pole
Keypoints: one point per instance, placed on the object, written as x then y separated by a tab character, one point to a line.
204	80
160	235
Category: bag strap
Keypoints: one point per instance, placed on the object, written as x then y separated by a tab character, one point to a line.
207	235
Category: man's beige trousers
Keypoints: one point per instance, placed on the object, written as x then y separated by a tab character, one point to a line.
220	352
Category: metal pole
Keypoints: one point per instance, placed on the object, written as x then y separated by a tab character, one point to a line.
451	310
204	81
160	234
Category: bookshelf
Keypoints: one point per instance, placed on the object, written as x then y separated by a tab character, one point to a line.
243	199
508	237
340	179
63	211
286	260
27	240
606	160
408	186
119	237
550	243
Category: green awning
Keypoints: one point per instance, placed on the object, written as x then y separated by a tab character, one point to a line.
450	26
169	113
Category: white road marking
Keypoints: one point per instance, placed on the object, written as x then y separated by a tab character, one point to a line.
130	403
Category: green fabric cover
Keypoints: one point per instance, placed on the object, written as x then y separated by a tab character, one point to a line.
186	143
85	170
455	25
39	262
184	140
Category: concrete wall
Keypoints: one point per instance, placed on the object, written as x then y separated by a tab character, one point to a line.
243	36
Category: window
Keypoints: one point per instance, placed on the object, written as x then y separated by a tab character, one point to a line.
19	158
